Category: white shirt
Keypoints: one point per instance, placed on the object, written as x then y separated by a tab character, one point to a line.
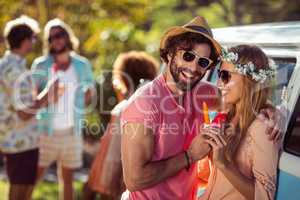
63	110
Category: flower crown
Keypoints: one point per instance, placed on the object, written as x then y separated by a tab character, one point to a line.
249	69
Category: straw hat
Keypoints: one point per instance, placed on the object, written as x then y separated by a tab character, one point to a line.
196	25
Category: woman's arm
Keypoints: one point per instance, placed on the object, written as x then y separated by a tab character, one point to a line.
240	182
265	161
265	155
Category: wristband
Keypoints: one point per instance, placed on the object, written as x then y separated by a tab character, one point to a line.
188	160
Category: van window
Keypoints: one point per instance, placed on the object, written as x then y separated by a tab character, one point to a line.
284	72
292	139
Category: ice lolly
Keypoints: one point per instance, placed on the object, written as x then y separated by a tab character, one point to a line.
221	117
205	113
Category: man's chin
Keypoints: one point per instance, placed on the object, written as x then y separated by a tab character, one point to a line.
58	51
184	87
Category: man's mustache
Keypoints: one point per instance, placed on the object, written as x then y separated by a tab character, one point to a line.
194	73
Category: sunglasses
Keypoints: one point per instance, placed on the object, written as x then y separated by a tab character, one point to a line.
202	62
58	35
224	76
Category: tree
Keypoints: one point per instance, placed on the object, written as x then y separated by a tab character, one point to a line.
107	28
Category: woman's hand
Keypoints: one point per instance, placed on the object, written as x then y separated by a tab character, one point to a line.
219	143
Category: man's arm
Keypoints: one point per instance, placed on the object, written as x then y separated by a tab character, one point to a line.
137	151
47	96
29	112
41	95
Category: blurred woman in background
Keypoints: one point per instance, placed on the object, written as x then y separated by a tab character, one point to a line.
130	71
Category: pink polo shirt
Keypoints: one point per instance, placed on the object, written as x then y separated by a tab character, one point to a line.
172	124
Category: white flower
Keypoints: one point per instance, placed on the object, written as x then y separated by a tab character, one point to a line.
255	77
249	69
251	66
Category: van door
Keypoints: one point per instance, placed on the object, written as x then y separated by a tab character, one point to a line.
289	165
288	183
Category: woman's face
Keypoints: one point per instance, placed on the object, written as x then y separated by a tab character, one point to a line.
230	83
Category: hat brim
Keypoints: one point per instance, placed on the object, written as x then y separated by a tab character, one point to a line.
177	30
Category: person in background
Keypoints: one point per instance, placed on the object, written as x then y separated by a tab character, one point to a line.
18	107
61	123
130	70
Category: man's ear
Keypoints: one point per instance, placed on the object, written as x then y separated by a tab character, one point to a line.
169	58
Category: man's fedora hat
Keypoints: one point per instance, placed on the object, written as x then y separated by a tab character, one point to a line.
196	25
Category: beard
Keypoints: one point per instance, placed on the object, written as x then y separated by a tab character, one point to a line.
58	50
183	85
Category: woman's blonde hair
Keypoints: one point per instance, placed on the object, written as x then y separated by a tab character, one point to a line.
254	95
73	41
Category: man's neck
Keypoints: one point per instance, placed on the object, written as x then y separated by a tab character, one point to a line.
63	60
177	94
19	52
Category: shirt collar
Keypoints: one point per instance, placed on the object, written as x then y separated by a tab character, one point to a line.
15	57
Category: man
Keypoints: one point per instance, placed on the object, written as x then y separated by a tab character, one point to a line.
159	144
18	128
130	70
61	123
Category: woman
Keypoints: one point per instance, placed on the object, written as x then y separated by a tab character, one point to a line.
130	70
243	159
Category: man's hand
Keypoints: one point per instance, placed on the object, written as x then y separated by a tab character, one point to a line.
88	97
275	121
198	148
51	94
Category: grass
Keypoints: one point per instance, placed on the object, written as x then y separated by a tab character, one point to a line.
44	191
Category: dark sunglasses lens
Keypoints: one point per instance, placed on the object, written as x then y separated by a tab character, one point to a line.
203	62
224	76
187	56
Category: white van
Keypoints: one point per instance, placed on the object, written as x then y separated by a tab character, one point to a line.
281	42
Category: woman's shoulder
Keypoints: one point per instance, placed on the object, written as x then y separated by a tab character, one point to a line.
258	125
258	131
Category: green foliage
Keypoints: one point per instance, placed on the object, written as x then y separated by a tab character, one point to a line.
107	28
44	191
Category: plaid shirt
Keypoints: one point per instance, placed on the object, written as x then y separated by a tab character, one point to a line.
15	93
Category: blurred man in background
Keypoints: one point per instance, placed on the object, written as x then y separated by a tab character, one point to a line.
61	122
18	107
